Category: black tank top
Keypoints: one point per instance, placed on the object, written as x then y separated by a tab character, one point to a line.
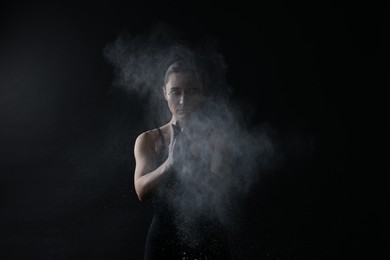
178	225
163	154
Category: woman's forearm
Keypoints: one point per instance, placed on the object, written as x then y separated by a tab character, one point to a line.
147	183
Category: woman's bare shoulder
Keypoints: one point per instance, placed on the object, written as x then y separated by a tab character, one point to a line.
152	136
220	138
150	141
219	135
147	138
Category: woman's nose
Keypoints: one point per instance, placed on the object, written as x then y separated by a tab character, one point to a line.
181	100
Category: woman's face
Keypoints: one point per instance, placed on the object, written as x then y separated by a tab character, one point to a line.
183	93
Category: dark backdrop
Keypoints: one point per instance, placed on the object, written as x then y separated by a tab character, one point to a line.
310	70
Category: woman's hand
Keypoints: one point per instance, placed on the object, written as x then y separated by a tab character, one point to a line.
178	148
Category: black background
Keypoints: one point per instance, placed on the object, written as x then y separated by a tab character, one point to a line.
312	70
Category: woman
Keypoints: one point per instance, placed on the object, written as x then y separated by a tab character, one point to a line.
182	167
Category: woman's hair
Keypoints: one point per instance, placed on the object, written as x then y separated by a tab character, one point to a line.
207	65
183	66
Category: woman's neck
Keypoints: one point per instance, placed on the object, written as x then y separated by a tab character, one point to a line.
179	123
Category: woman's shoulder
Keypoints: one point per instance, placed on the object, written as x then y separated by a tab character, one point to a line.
218	134
145	143
150	140
152	136
147	136
219	137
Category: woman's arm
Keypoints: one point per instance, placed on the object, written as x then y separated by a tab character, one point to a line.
221	155
220	175
147	174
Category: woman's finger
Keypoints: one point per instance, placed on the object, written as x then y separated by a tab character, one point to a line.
176	130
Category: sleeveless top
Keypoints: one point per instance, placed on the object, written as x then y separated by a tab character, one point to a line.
162	156
183	222
181	189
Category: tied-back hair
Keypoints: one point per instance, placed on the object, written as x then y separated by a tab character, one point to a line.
184	66
207	65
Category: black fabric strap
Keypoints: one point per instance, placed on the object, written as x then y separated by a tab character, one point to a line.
161	137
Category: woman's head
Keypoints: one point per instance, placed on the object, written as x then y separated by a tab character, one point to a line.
183	89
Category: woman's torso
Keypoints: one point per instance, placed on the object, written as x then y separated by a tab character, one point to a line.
182	210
